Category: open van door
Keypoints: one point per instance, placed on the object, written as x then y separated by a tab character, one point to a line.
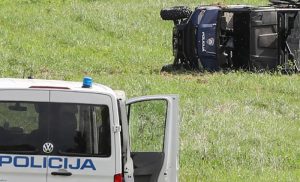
154	137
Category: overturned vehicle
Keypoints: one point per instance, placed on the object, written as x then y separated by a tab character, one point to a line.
215	38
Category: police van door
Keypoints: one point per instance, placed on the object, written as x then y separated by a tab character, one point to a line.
23	132
154	137
82	138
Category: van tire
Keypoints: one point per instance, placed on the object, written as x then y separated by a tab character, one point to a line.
175	13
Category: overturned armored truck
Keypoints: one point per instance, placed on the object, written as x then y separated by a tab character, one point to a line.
236	37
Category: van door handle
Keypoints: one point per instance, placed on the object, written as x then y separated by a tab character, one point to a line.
61	173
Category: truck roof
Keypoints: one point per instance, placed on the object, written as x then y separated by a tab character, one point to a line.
13	83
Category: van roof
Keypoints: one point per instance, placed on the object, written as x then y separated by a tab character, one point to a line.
13	83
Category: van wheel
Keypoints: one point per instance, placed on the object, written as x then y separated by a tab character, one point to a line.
175	13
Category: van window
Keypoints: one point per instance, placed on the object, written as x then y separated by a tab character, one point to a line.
73	129
17	122
147	126
81	129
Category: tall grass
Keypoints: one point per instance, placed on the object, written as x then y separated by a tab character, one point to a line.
235	127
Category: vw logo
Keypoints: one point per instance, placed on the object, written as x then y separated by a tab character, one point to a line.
48	148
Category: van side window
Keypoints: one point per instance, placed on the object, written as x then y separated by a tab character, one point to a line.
146	126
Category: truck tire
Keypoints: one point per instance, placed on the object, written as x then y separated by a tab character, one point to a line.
175	13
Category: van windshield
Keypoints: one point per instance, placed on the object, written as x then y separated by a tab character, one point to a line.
71	128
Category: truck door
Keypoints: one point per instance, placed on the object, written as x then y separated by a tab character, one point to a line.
82	137
22	135
154	137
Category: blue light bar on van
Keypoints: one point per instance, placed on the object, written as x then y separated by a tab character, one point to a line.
87	82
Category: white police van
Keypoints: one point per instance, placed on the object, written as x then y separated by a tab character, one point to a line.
53	131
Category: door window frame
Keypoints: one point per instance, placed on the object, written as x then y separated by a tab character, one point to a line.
170	166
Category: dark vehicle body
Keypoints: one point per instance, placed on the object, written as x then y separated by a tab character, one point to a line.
237	37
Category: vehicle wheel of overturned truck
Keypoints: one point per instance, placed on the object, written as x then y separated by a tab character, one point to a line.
175	13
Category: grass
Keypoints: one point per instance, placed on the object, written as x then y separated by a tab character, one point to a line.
235	127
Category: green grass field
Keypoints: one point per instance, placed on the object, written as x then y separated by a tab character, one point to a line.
235	127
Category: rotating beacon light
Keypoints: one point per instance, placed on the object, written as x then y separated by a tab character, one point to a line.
87	82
